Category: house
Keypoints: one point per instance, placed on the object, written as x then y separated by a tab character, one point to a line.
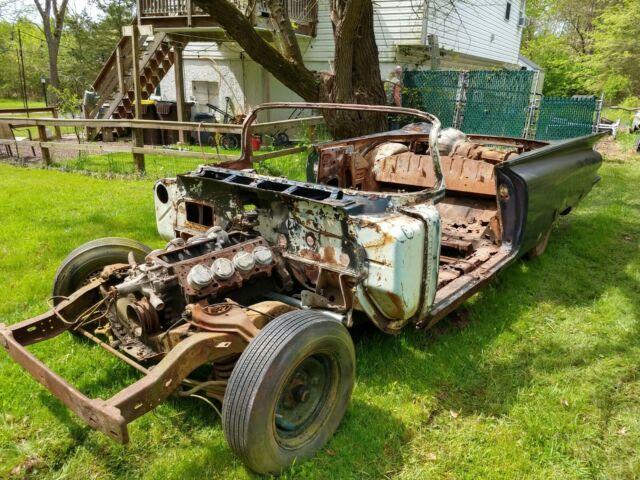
528	64
416	34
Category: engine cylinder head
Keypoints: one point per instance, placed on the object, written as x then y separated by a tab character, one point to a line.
263	255
223	269
199	277
244	261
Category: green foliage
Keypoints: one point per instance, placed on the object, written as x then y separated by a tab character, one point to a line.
616	57
565	73
67	101
86	43
586	47
91	41
35	59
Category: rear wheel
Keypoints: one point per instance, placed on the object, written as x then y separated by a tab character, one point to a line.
289	391
229	141
281	140
88	260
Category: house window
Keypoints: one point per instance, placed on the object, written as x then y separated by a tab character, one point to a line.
507	13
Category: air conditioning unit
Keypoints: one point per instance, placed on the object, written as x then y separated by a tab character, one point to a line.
524	21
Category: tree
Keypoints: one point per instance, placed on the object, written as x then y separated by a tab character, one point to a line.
564	72
616	55
90	41
560	40
356	77
53	17
35	58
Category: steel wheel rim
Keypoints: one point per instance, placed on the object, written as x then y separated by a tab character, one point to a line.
305	400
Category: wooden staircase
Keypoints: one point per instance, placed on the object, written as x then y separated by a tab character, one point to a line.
114	84
156	51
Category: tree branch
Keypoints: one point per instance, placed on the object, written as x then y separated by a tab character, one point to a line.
285	31
294	76
39	7
59	16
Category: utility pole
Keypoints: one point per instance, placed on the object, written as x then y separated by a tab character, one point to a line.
23	77
43	83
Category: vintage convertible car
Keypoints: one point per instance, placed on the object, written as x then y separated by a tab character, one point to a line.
251	299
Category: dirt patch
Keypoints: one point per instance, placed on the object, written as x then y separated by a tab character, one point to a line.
29	466
613	150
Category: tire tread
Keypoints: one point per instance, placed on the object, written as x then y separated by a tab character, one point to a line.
239	389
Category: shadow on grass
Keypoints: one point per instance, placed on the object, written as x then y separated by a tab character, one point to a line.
588	256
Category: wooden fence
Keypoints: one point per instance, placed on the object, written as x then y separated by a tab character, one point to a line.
135	146
28	111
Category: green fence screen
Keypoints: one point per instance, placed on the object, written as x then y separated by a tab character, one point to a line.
565	117
497	102
432	91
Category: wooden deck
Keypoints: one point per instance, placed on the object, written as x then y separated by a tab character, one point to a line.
183	15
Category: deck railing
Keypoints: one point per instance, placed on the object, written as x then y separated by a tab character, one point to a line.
302	12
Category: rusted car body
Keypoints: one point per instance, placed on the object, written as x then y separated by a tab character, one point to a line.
392	228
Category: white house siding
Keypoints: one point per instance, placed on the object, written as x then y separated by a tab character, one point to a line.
478	28
395	22
207	62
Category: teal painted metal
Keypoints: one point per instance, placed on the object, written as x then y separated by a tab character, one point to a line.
565	117
435	92
497	102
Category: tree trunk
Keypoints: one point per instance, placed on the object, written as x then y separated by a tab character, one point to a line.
356	78
50	10
54	77
357	70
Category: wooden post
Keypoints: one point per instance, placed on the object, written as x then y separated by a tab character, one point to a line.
138	141
42	136
137	88
434	52
311	134
54	114
189	13
107	134
136	133
178	66
120	69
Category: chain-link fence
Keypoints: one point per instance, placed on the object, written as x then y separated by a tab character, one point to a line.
565	117
498	102
435	92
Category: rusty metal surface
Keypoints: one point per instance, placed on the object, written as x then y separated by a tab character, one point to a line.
183	267
212	335
372	230
97	413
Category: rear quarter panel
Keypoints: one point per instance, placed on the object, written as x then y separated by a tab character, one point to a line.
554	178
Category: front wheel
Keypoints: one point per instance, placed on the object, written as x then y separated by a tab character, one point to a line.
88	260
289	391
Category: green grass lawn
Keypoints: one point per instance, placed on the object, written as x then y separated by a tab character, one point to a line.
538	378
17	103
156	165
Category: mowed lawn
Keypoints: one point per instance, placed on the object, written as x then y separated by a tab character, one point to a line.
539	377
